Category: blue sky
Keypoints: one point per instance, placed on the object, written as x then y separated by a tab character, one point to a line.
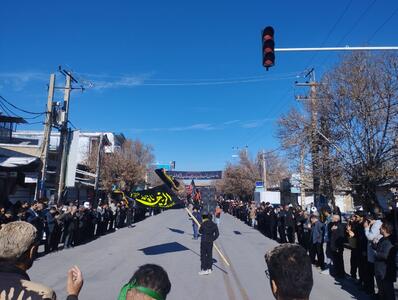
183	76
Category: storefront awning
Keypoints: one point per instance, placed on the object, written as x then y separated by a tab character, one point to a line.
17	162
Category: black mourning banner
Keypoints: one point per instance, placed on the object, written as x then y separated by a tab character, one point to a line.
189	175
168	180
160	196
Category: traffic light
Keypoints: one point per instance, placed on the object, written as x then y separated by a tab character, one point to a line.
268	47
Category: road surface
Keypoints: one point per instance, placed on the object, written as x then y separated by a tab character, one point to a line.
166	239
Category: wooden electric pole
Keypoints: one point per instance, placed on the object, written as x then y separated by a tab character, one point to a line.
314	134
98	165
264	171
63	145
302	176
46	139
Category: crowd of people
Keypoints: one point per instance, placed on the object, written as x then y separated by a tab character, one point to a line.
19	243
325	235
71	225
307	236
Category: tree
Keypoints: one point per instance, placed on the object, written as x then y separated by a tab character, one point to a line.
361	106
126	167
239	180
295	135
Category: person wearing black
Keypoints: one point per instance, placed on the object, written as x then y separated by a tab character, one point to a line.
385	268
289	223
300	221
70	221
209	232
51	231
317	234
33	216
337	238
353	245
282	226
267	221
273	223
362	243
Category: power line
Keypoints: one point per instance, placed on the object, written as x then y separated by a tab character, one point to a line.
20	109
214	82
35	117
274	111
357	22
132	81
74	127
331	31
8	111
33	123
382	25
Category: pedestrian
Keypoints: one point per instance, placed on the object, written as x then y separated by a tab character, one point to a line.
18	248
300	221
218	215
289	223
51	230
195	226
252	214
372	232
209	232
289	272
148	282
281	213
70	221
385	268
33	216
317	234
337	239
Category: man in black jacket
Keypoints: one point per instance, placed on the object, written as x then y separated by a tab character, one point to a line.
209	232
289	223
385	269
51	230
337	238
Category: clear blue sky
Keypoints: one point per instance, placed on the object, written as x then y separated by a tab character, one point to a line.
183	76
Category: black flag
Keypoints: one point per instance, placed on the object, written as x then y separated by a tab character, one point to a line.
168	180
160	196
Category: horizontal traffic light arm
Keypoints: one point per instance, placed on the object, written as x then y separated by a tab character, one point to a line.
346	48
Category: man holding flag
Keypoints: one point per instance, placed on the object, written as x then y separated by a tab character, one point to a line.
209	232
163	196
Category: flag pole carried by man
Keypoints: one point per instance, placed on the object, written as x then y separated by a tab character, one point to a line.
163	196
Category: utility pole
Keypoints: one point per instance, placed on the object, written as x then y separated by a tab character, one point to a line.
264	170
98	165
314	134
40	189
63	146
302	176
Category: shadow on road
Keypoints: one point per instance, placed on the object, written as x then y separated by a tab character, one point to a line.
176	230
163	248
214	262
349	286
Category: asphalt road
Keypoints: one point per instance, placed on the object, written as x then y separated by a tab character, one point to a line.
166	239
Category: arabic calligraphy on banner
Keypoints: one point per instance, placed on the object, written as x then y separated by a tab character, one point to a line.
159	196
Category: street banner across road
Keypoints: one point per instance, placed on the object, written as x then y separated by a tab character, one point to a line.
202	175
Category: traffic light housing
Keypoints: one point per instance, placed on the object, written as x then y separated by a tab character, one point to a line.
268	47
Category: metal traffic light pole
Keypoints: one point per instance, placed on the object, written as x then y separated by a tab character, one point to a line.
346	48
268	45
